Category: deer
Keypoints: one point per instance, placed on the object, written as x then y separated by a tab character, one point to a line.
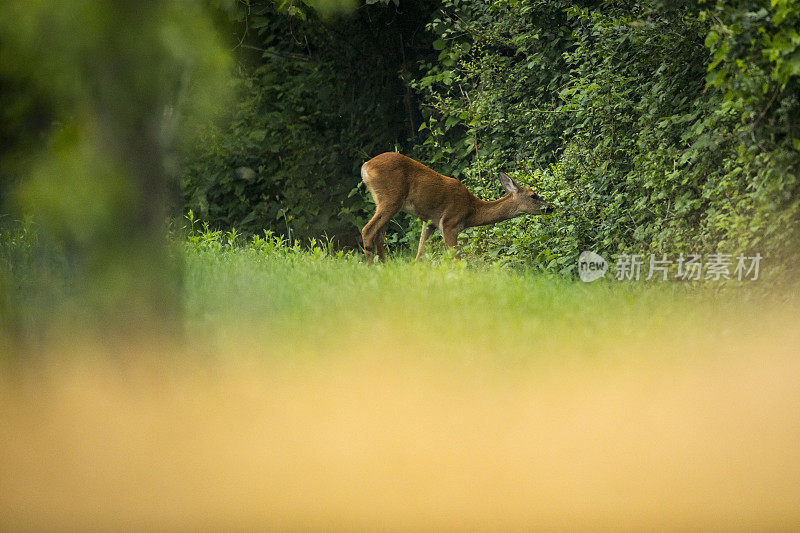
399	183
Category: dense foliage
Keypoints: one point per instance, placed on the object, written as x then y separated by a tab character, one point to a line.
316	98
654	125
658	126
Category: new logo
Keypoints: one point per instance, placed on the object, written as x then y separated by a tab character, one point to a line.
591	266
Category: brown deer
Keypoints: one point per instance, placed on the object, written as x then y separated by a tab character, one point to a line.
398	183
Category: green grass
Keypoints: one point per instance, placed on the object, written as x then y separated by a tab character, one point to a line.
282	300
290	302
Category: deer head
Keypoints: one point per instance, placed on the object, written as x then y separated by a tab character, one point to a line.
526	200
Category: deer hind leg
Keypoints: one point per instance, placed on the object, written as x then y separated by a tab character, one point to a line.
380	243
427	231
375	230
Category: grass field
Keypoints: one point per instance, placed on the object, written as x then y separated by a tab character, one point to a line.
311	391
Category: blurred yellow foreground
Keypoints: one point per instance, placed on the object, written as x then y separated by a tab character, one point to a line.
380	438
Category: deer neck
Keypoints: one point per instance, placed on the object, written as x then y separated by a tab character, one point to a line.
492	211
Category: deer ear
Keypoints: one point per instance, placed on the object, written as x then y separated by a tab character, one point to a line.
508	184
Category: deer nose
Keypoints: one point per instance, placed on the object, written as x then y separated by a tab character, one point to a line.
547	209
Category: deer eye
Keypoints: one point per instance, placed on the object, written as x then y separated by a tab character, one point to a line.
534	196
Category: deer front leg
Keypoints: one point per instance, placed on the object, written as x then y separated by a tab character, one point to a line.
450	235
427	231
